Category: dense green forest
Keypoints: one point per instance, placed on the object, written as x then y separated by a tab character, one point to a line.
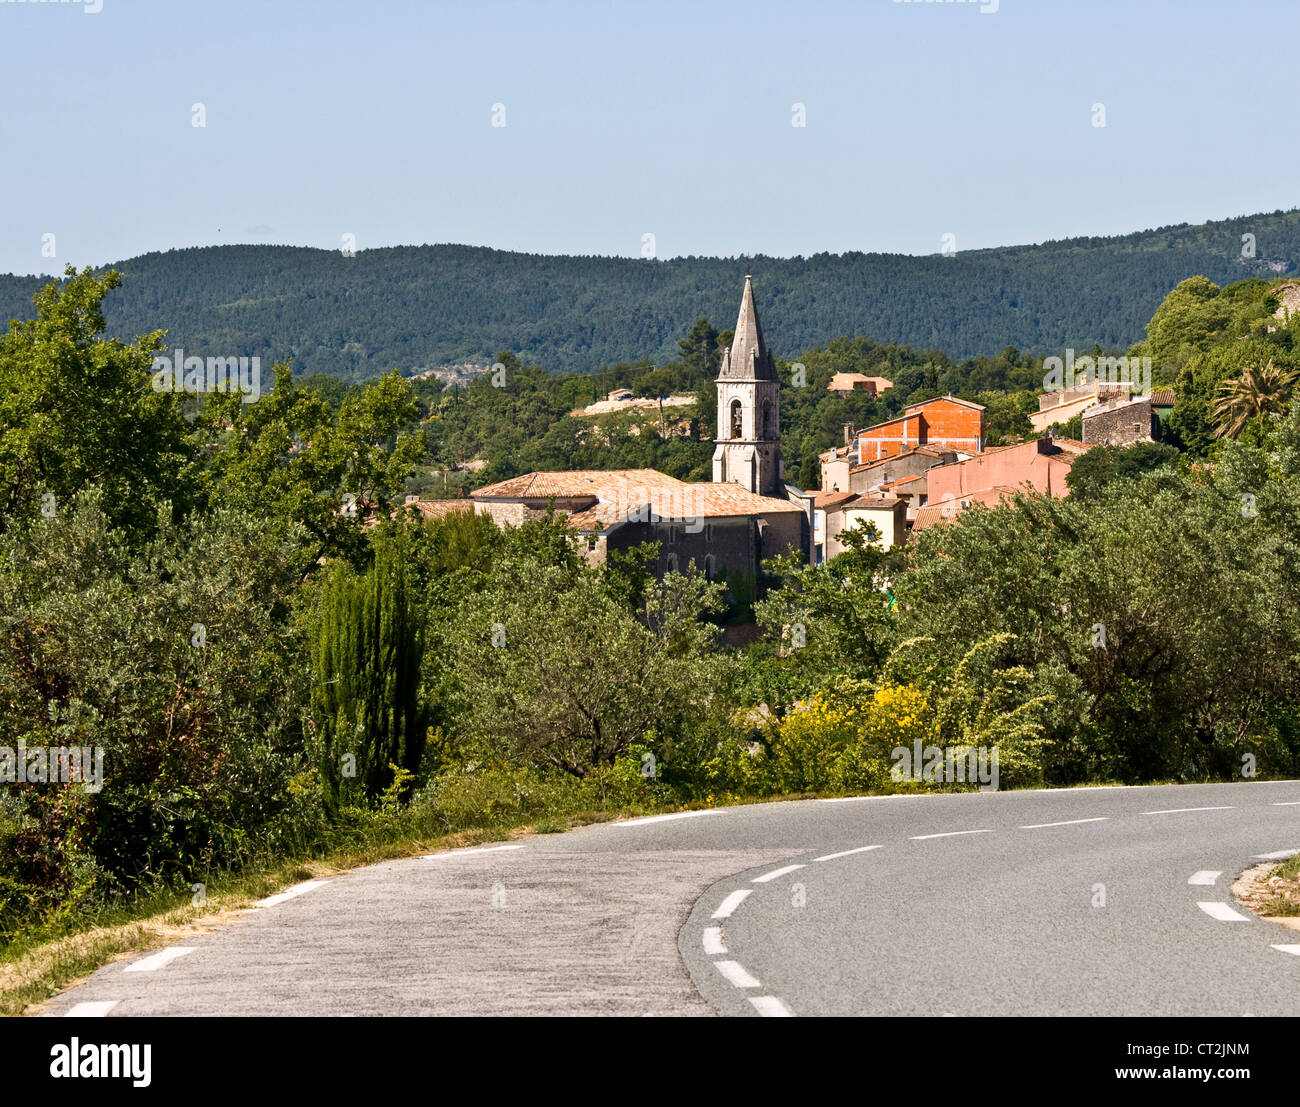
412	308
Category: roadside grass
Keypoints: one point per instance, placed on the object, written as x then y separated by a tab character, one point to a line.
1284	882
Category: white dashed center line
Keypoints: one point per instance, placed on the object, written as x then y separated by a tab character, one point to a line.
158	960
96	1010
770	1007
1289	949
1222	912
1186	810
1205	877
845	853
947	834
1288	803
736	975
713	946
289	893
1068	822
728	905
774	874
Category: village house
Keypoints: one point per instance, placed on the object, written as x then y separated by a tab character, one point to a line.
942	423
1120	422
1040	465
1060	406
853	382
837	512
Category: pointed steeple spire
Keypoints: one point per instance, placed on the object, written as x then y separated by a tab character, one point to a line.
748	357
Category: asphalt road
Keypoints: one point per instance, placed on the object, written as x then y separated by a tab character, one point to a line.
1084	902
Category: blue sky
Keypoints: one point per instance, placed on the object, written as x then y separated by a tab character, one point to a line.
626	119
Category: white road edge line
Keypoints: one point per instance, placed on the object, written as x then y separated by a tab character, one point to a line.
1222	912
1288	949
1185	810
712	939
289	893
96	1010
1205	877
1280	855
775	873
736	974
946	834
158	960
465	852
845	853
770	1007
1288	803
1068	822
665	818
728	905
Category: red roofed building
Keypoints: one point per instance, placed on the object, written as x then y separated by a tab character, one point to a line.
945	423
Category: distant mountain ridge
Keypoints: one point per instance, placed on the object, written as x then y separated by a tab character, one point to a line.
422	307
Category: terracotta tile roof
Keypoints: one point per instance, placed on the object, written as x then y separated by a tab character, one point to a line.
924	451
1162	397
903	480
572	484
871	501
826	500
440	509
610	497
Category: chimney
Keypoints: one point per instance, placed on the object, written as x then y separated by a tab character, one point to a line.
848	433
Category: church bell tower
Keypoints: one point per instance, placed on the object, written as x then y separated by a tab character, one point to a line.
748	449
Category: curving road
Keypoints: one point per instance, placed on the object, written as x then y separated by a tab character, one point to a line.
1109	901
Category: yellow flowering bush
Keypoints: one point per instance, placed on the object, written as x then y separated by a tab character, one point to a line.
841	738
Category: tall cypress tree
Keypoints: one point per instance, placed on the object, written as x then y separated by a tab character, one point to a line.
366	649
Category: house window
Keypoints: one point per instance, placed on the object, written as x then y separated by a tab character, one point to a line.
767	419
672	563
708	566
708	532
737	426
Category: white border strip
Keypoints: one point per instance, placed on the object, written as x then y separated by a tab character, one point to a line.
290	893
158	960
96	1010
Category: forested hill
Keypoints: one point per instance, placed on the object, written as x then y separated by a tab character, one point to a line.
429	306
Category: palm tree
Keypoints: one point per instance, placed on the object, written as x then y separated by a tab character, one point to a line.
1254	394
